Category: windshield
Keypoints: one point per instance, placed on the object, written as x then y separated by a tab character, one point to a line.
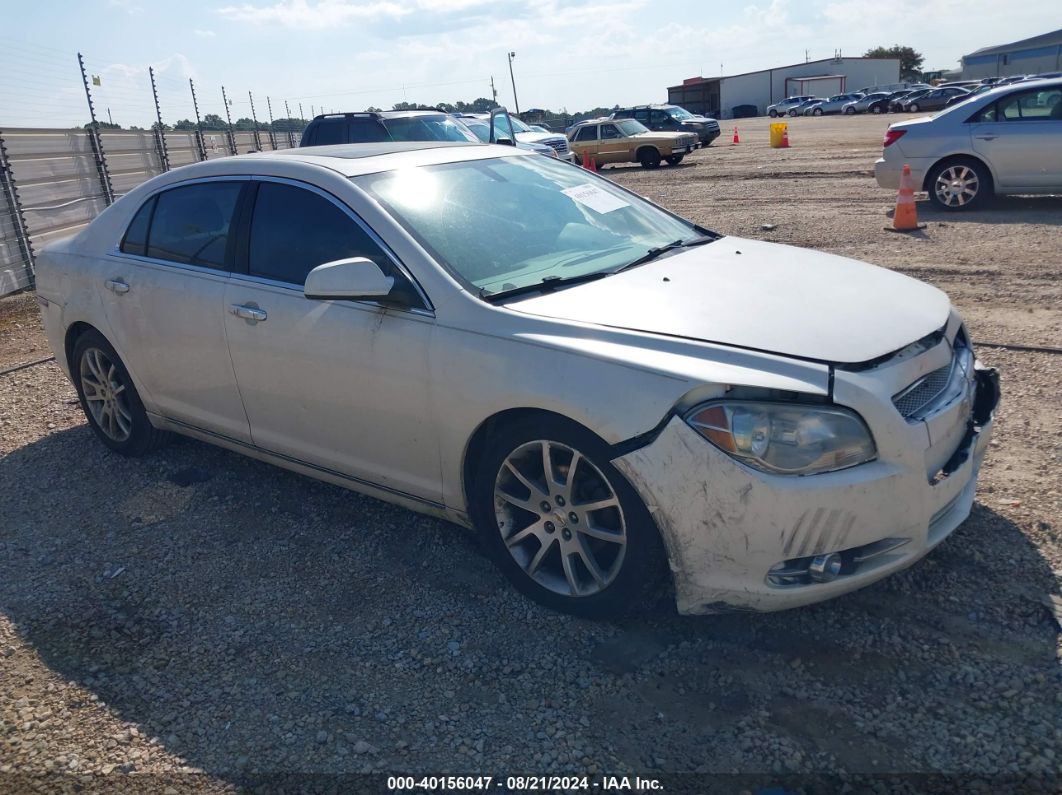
479	128
428	128
510	222
631	127
519	126
679	113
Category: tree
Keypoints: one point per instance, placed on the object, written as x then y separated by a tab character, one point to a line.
213	121
104	125
910	60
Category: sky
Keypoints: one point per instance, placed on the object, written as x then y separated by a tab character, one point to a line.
348	55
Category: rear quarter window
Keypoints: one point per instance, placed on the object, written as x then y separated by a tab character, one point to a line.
135	240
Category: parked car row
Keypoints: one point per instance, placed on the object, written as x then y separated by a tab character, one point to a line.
913	98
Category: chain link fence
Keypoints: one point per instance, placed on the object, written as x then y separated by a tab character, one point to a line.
55	180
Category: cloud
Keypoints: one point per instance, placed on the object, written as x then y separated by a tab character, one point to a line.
205	34
305	15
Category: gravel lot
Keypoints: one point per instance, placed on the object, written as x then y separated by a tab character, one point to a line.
206	617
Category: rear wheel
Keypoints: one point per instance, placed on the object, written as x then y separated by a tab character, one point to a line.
913	107
959	184
875	108
816	112
109	398
563	524
649	158
849	111
674	160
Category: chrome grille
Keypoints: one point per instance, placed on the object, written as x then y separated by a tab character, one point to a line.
560	144
923	391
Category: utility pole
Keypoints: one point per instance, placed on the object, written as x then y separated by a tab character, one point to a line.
493	92
109	117
513	79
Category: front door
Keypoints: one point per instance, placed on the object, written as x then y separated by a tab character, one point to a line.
340	385
614	147
1019	137
165	297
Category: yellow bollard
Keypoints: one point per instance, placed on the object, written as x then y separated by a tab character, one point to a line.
779	135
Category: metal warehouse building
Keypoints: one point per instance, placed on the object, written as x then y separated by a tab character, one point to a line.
1028	56
718	96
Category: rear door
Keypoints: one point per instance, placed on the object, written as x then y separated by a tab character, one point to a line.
1020	136
341	386
165	299
585	141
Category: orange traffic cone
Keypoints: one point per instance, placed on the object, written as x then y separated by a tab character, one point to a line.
584	161
736	139
785	139
593	164
905	217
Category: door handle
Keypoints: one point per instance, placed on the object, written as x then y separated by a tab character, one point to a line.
117	286
987	137
248	312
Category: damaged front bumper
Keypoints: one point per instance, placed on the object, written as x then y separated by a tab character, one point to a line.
740	539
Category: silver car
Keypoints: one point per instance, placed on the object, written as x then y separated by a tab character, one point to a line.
782	107
834	104
607	392
1007	140
862	105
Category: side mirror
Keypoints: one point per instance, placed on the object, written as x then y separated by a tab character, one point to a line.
351	279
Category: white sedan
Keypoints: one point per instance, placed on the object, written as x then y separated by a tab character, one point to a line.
614	397
1006	141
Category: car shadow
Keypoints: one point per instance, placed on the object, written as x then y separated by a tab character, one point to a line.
255	621
1000	210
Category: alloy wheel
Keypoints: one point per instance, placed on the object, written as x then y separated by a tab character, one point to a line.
560	518
957	186
106	394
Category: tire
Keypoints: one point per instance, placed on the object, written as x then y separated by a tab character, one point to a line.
674	160
649	158
577	160
960	183
793	113
543	550
849	111
875	109
912	108
773	114
816	112
110	400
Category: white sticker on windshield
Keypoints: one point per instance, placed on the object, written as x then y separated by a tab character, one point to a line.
596	199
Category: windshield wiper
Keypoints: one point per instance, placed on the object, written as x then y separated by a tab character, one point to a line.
653	253
545	285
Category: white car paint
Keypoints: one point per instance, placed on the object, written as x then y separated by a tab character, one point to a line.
386	402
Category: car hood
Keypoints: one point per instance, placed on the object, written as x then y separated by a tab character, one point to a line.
537	137
763	296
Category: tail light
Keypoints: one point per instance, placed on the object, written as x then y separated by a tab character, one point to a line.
892	136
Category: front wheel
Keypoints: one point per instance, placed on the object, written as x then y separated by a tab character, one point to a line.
875	108
816	112
772	113
912	108
959	184
109	398
674	160
563	524
649	158
849	111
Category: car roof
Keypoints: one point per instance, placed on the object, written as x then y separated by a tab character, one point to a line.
351	160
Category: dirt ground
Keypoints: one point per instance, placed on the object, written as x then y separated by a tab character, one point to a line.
196	619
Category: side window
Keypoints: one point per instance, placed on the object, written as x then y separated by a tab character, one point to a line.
135	240
985	115
294	230
366	131
609	131
621	114
1034	105
191	224
330	131
587	134
659	117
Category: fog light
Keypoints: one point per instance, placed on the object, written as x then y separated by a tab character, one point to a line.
825	568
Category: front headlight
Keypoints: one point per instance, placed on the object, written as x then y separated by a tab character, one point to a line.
785	438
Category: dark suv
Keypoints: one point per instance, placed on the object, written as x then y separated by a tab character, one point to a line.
672	118
387	125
